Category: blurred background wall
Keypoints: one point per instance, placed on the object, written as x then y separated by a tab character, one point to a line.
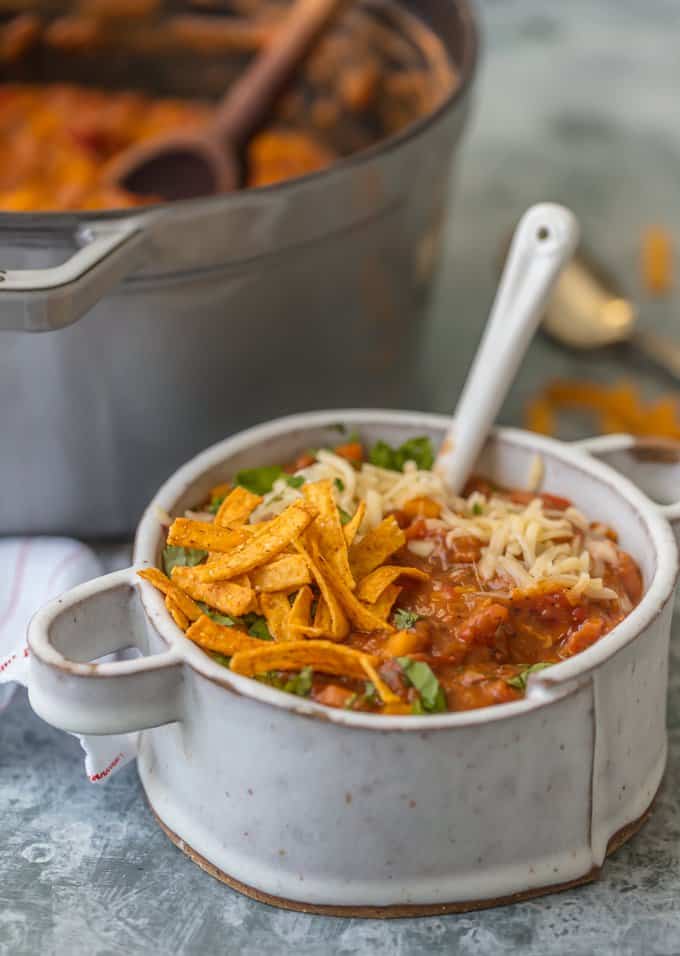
577	102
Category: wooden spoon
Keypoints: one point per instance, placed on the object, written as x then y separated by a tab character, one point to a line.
210	160
544	241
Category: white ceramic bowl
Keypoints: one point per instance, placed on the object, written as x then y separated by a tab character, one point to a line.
321	809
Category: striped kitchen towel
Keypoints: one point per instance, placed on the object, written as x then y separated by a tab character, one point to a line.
32	572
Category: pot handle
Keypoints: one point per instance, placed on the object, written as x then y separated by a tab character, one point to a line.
43	300
88	622
653	464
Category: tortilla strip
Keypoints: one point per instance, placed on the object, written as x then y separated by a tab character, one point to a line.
212	636
386	694
376	547
322	656
261	547
401	708
237	507
176	612
359	614
327	528
225	596
287	573
188	607
383	606
333	619
299	622
276	609
322	616
352	527
374	584
205	536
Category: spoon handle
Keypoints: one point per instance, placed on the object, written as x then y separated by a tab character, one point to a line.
543	242
249	99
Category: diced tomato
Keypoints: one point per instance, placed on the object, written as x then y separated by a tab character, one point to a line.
481	694
549	605
482	624
630	576
333	695
392	674
353	451
550	501
585	635
465	550
422	508
406	642
302	461
522	497
417	531
481	485
555	501
400	517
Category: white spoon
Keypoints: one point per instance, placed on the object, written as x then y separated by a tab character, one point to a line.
544	241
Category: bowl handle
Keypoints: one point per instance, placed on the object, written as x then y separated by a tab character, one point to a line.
88	622
653	464
42	300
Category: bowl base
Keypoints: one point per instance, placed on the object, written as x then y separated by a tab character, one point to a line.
401	910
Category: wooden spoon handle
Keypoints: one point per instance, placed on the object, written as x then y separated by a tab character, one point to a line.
249	100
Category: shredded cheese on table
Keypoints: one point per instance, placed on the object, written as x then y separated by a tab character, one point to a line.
522	546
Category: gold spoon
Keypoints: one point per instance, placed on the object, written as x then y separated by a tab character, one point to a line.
588	310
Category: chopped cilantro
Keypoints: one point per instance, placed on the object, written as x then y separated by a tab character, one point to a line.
257	626
221	659
272	679
477	509
344	517
340	428
383	456
301	684
254	624
215	616
259	480
181	557
215	504
369	696
339	484
298	684
295	481
418	450
405	619
420	676
519	681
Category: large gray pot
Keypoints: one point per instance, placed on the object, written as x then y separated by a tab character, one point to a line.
168	329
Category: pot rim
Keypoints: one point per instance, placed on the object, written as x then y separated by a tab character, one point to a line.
564	677
467	69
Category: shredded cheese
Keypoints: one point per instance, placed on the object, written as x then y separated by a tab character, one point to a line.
536	473
522	545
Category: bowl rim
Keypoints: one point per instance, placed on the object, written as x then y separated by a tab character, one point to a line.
564	677
467	70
